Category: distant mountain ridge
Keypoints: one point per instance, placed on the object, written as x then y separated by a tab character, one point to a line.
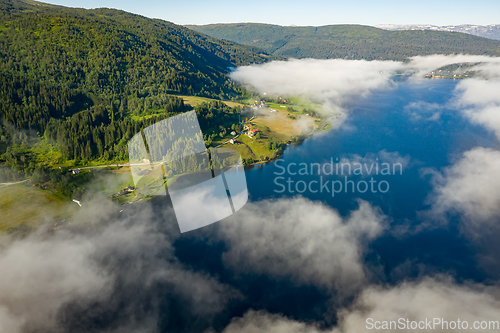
109	51
491	31
349	41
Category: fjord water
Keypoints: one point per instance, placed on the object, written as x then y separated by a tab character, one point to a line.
432	137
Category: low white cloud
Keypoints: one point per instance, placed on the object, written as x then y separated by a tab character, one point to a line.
429	298
478	92
383	162
38	277
421	65
303	240
422	110
479	100
335	81
470	187
105	265
330	82
262	321
125	263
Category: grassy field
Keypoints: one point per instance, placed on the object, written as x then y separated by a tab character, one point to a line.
278	122
295	103
25	204
30	205
295	109
253	148
305	103
195	100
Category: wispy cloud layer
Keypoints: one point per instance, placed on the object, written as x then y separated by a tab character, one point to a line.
121	268
479	100
303	240
335	81
470	187
330	82
125	268
422	300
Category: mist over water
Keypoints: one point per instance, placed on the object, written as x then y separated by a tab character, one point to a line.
288	257
392	121
385	121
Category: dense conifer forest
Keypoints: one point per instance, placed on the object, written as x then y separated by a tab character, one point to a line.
85	81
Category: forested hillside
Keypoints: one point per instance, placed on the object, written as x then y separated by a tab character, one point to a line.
349	41
88	80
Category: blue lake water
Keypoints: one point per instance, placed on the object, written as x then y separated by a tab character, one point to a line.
379	122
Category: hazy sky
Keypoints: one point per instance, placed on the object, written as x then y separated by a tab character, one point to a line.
313	12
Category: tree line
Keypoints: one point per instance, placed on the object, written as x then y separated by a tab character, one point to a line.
88	80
